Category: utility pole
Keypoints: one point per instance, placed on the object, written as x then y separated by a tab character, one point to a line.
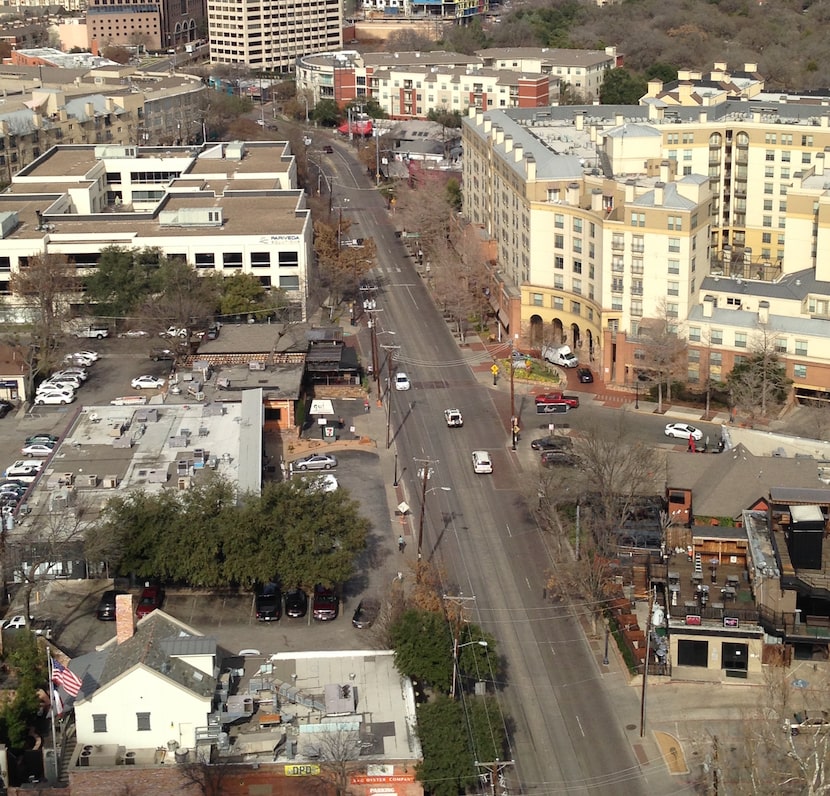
425	473
389	349
645	666
514	421
495	770
459	603
375	358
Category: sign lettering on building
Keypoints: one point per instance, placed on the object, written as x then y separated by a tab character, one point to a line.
309	770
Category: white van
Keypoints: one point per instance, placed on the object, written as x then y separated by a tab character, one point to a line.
23	470
482	462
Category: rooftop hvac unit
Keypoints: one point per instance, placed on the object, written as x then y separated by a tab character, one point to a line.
110	481
129	758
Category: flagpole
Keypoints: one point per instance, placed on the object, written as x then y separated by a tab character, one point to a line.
52	702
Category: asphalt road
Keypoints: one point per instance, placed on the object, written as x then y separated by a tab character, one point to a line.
562	728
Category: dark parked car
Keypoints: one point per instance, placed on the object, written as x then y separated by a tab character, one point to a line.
585	376
551	444
41	438
328	149
296	603
269	603
106	606
325	605
151	598
212	332
5	408
157	354
366	613
557	458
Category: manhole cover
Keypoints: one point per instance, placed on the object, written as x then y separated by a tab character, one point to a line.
631	726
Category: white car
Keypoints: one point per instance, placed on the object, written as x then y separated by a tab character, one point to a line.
50	385
78	373
76	361
134	333
39	449
482	463
402	381
54	398
683	431
147	383
88	354
23	470
173	331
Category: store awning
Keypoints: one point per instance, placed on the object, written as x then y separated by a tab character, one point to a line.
504	319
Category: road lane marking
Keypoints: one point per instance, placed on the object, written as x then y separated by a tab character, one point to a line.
508	530
580	725
528	584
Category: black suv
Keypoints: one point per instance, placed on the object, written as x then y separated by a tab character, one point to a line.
268	603
296	603
157	354
106	606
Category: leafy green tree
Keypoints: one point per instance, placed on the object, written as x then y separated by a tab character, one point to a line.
445	117
454	196
123	280
327	113
184	298
447	768
423	646
486	722
662	71
28	665
244	293
371	107
621	87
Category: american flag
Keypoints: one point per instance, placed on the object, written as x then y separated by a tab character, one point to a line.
69	681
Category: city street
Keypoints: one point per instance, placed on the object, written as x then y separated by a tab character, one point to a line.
565	733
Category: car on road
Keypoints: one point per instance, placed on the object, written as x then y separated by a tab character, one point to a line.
41	438
683	431
316	461
5	408
41	450
325	604
106	605
134	333
558	398
366	613
158	354
129	400
268	603
296	603
551	443
482	462
454	418
559	457
804	722
585	376
328	149
151	598
147	383
54	398
402	381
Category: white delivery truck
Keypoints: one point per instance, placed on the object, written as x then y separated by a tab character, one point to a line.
560	355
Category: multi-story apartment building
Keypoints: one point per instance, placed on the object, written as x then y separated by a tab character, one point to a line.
686	214
442	9
165	110
271	34
223	208
137	23
410	84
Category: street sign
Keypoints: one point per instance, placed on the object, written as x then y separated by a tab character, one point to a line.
495	370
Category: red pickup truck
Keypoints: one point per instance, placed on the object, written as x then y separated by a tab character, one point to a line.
558	398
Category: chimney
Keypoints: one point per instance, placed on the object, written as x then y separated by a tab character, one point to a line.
619	119
659	190
572	194
665	171
629	191
763	312
708	306
124	617
518	152
93	47
579	120
530	168
751	68
820	162
508	141
596	200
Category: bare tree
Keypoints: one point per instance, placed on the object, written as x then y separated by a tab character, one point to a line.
186	299
208	772
759	383
339	759
664	348
341	267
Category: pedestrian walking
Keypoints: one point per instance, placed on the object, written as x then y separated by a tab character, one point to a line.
401	543
366	406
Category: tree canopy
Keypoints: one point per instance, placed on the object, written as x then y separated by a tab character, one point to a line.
204	537
758	384
123	280
621	87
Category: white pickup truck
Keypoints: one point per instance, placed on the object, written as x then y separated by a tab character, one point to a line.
454	418
93	332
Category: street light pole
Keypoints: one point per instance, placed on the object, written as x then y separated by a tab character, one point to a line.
389	349
377	155
426	473
636	392
455	648
513	419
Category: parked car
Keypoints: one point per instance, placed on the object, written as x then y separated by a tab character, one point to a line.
558	398
78	373
325	606
158	354
50	385
151	598
551	443
585	376
482	462
296	603
5	408
804	722
316	461
683	431
213	331
41	450
173	331
23	470
41	438
93	332
366	613
268	603
54	398
558	457
147	383
106	605
402	381
328	149
134	333
87	353
77	359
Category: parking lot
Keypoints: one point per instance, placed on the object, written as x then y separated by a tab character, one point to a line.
227	617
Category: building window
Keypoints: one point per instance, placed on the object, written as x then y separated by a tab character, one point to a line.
674	244
694	334
559	221
576	308
290	282
577	266
558	303
716	336
693	653
99	722
735	658
232	259
538	299
693	355
576	287
800	371
673	288
672	311
559	281
638	219
780	345
616	284
205	260
559	263
578	245
740	339
260	259
801	348
578	225
638	244
558	241
289	259
143	721
637	308
676	223
716	359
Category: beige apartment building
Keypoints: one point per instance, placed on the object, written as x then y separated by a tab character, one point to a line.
271	34
605	217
